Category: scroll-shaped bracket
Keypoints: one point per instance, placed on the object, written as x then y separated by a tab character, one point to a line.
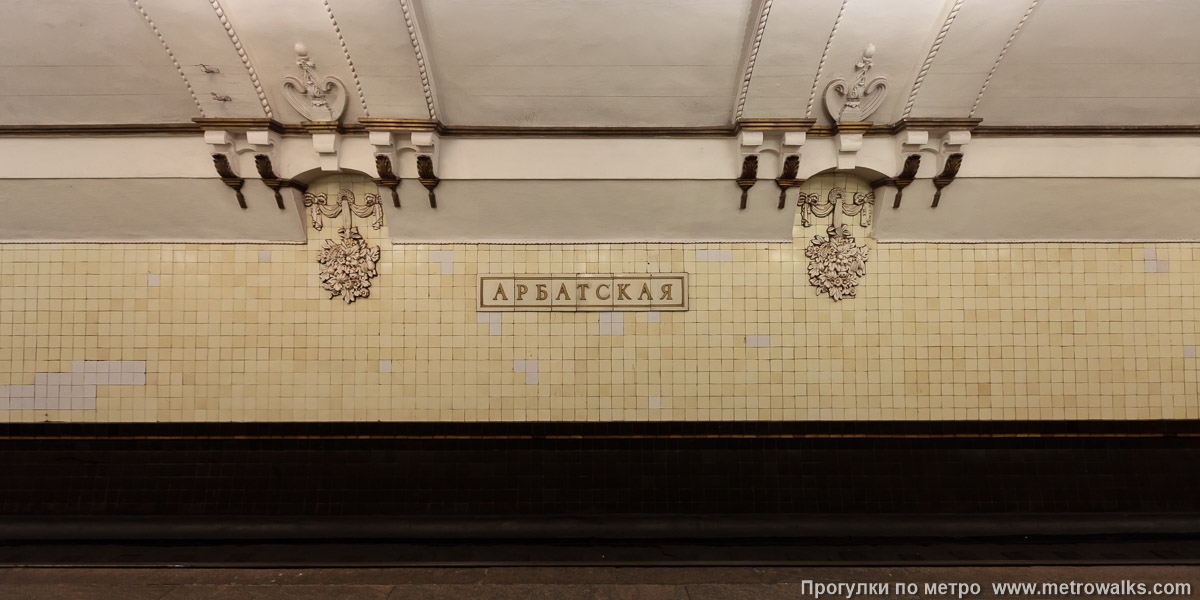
387	177
905	177
384	146
266	171
426	176
950	157
943	179
748	177
224	157
750	143
787	179
228	177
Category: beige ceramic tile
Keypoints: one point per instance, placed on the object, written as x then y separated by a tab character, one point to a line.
938	331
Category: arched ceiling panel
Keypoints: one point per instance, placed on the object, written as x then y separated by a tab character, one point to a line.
1100	62
788	57
378	41
86	61
587	62
970	49
196	37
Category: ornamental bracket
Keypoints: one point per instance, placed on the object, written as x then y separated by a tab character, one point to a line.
426	145
943	179
384	145
750	144
905	177
266	171
426	176
790	149
225	160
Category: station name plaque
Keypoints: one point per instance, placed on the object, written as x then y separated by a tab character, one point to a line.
653	291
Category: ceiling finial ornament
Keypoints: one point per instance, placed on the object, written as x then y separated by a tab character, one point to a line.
317	100
854	102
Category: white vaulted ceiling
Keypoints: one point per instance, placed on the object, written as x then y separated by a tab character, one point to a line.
586	62
602	63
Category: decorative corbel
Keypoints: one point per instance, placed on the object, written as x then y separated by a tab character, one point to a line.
225	160
384	146
748	178
789	148
906	176
263	163
749	143
849	142
950	151
426	177
326	141
225	170
787	179
425	143
943	179
387	177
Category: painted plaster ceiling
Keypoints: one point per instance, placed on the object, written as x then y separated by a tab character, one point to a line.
602	63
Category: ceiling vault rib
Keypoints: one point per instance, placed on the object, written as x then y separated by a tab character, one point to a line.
933	50
812	96
1003	51
749	56
346	51
414	36
241	51
137	4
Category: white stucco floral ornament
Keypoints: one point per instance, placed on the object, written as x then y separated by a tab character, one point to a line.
835	263
348	265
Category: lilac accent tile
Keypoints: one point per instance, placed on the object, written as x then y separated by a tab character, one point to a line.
154	280
385	366
264	256
1189	352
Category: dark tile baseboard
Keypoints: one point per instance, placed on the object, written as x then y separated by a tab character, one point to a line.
408	471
